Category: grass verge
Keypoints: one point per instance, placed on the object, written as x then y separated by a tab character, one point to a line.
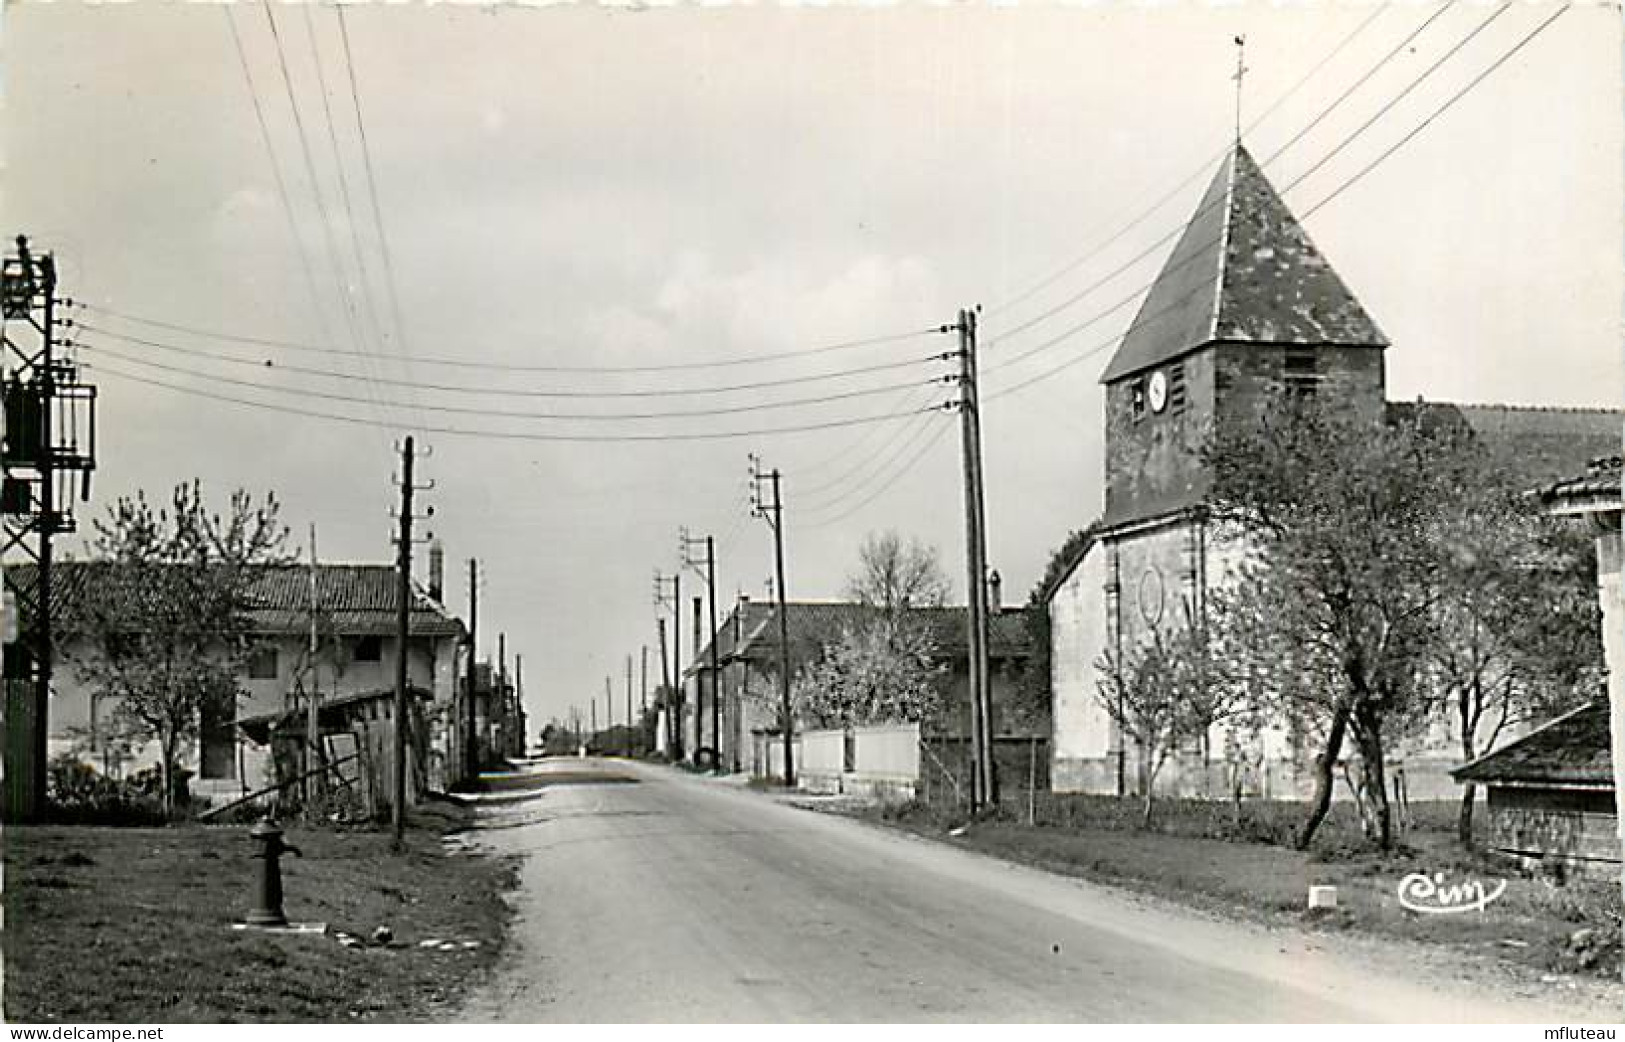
1535	922
135	925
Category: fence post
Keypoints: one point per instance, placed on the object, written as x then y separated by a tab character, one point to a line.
1032	779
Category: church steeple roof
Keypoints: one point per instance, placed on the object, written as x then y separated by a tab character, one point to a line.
1244	270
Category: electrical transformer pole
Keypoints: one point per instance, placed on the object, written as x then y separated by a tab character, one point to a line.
45	406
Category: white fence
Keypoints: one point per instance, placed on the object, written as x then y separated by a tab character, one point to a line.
870	761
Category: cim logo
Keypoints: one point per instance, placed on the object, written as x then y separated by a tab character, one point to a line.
1430	895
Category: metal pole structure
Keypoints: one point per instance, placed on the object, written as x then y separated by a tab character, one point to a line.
402	621
45	378
629	705
983	792
471	747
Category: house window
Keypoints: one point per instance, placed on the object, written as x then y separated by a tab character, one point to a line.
1136	402
1300	374
262	663
369	649
1176	388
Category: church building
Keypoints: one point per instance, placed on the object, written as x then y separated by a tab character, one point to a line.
1246	306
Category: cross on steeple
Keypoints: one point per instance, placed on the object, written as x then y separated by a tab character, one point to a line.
1241	72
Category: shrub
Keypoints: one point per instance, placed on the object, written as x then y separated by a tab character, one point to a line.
78	794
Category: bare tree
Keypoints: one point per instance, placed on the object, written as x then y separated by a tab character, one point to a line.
1164	689
894	575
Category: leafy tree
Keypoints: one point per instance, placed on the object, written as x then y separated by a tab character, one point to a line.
1517	627
1166	688
1330	606
168	626
885	672
894	575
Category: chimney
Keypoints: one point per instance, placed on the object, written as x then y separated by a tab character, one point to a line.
995	591
437	572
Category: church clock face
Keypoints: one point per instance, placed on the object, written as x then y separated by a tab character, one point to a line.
1158	390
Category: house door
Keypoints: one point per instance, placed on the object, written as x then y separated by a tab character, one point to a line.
219	740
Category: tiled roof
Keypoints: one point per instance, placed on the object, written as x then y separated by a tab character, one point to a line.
1531	443
814	624
1243	271
1569	751
361	598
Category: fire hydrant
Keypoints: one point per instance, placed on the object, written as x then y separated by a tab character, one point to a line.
270	848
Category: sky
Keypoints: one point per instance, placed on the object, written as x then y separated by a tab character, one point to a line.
661	187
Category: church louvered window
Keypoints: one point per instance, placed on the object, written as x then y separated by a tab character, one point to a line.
1176	388
1300	375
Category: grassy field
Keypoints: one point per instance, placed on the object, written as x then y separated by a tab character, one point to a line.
135	925
1199	855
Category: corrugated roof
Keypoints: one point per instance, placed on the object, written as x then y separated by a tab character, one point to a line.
1571	750
1244	270
361	598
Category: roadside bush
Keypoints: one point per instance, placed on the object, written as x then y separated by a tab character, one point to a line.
78	794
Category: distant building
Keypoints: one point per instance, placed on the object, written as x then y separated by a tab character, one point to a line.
1245	307
749	659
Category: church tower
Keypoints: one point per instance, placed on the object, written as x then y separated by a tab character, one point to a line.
1244	306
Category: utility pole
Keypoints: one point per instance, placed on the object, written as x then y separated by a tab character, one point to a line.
686	544
773	514
984	791
629	706
312	723
665	672
643	679
609	710
501	693
45	405
403	609
522	745
674	692
471	752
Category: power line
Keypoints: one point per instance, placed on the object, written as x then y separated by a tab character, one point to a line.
513	413
1473	83
509	392
276	174
463	363
906	438
890	483
1195	174
1135	294
1175	231
372	184
315	183
371	312
847	480
1436	113
508	435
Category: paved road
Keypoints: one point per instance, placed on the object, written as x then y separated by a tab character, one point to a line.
649	895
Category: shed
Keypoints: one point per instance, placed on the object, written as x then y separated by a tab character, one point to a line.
1551	794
